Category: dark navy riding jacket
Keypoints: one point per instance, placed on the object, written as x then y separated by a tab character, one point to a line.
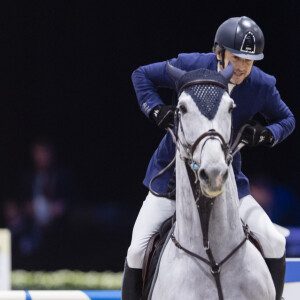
256	94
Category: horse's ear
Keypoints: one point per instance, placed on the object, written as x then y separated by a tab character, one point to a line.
174	72
228	71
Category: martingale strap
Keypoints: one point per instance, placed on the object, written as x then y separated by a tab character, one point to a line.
215	268
204	209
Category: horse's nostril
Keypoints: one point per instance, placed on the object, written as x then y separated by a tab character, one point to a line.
203	175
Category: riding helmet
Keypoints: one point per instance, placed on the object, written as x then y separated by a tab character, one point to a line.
242	37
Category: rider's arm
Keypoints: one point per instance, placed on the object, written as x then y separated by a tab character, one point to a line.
147	79
281	120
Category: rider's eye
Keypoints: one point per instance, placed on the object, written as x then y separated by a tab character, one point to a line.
182	108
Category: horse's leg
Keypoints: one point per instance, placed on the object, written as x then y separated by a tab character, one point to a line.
273	242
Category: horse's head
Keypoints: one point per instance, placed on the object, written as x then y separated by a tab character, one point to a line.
204	124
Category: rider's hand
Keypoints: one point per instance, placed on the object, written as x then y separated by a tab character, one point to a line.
255	134
163	116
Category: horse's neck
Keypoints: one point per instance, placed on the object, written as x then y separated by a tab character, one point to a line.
225	231
188	228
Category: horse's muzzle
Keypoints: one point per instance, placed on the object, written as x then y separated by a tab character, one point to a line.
212	180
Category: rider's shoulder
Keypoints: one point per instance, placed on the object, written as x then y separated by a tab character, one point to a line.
259	77
197	55
196	60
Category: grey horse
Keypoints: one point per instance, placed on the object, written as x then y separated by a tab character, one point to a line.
204	130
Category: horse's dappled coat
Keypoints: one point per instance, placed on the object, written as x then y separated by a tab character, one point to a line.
180	275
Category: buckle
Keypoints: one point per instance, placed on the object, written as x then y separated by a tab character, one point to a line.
215	269
206	247
229	159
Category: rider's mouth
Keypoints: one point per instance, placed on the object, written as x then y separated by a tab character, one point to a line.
238	74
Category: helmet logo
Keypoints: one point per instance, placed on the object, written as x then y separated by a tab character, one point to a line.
248	44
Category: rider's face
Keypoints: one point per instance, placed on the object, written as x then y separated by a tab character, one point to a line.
242	67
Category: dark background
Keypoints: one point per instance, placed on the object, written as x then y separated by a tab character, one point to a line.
65	70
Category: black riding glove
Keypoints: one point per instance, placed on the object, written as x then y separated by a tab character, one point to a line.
255	134
163	116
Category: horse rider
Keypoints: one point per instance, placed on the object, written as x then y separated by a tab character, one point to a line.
241	41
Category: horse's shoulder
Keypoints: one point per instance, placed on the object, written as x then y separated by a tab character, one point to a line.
248	276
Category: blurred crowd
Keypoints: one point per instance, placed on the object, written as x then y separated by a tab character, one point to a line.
51	225
37	211
53	228
279	201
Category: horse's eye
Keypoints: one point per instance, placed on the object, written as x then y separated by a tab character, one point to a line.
182	108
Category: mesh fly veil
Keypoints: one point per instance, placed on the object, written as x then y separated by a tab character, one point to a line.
207	98
206	88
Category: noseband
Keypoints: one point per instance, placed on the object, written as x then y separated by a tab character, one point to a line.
189	149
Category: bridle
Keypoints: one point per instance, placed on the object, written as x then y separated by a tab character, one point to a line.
189	149
205	205
229	149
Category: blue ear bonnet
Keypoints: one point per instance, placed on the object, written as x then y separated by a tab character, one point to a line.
201	75
206	88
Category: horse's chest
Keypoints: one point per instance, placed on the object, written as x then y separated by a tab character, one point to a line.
184	277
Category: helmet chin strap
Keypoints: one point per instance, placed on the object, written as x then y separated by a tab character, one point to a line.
222	61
